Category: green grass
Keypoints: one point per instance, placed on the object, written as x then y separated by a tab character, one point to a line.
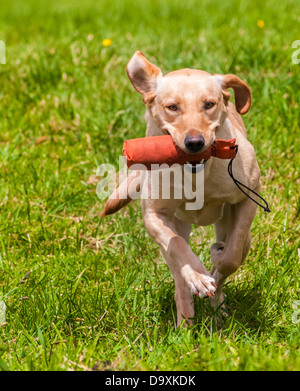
83	293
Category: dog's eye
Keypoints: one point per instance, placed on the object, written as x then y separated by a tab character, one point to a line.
208	105
172	107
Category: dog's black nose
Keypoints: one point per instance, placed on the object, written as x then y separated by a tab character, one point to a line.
194	144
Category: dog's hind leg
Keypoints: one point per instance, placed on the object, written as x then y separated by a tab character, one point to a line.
233	234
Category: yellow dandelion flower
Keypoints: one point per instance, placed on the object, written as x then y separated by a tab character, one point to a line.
261	24
106	42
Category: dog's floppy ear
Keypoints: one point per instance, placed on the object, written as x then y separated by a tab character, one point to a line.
242	92
143	75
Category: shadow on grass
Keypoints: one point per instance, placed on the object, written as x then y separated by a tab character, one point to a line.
244	307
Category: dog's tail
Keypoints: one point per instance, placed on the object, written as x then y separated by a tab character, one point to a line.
121	196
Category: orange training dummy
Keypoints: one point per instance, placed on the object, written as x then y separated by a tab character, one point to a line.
161	149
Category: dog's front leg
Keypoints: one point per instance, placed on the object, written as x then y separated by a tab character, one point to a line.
190	275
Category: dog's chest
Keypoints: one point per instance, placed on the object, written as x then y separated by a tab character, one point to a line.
218	188
207	215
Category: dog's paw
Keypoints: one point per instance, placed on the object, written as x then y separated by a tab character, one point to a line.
200	284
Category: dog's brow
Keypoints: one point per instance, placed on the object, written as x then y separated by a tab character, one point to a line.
219	79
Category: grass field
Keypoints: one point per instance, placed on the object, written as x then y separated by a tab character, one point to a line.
83	293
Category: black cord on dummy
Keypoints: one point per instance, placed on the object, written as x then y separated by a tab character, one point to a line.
239	184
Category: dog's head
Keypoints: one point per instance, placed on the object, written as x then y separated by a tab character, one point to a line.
188	104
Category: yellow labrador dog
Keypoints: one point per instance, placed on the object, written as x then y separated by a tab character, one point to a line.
193	107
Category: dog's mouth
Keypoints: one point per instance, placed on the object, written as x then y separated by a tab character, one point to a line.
201	151
192	163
